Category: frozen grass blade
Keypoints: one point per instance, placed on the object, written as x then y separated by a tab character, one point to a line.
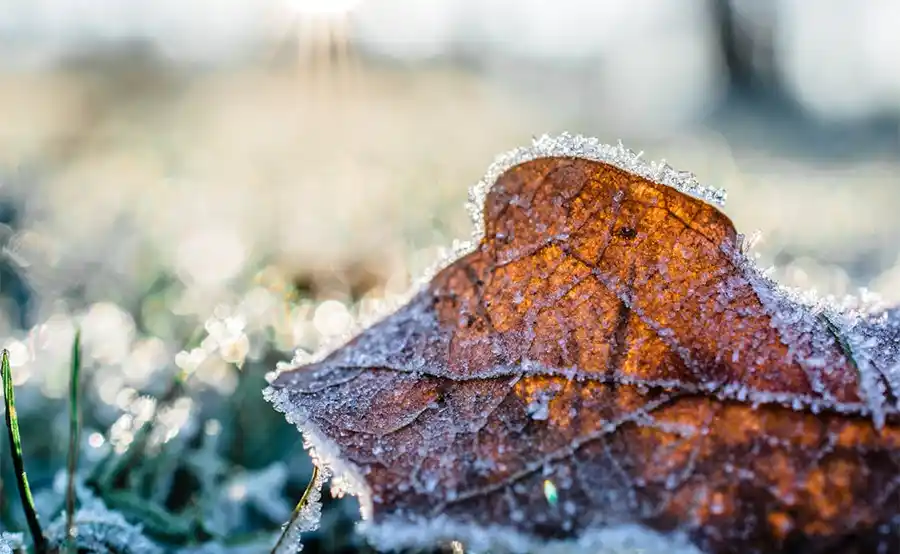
15	442
74	441
839	339
298	509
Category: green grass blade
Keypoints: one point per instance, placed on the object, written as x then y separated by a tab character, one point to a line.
296	513
15	442
839	339
74	440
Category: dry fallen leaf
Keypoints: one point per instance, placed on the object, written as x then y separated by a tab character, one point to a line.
606	365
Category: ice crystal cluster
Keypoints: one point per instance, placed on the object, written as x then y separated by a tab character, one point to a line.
588	148
10	542
100	531
307	518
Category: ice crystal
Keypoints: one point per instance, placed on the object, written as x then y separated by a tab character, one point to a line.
10	543
100	531
308	518
616	539
867	332
324	452
578	146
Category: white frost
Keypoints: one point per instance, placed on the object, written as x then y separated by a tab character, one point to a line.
865	331
616	539
10	543
862	324
589	148
99	530
309	517
324	452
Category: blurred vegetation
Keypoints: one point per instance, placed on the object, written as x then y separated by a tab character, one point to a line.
182	444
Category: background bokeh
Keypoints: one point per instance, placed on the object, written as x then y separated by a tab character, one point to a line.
205	186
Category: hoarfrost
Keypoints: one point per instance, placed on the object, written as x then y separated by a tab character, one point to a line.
618	539
589	148
865	330
307	519
99	531
363	406
324	452
10	543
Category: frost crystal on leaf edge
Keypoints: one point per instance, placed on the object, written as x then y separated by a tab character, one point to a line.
588	148
324	452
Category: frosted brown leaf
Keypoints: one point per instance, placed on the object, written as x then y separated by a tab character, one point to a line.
605	359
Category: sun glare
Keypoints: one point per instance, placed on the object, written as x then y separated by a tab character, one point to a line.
321	34
322	7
